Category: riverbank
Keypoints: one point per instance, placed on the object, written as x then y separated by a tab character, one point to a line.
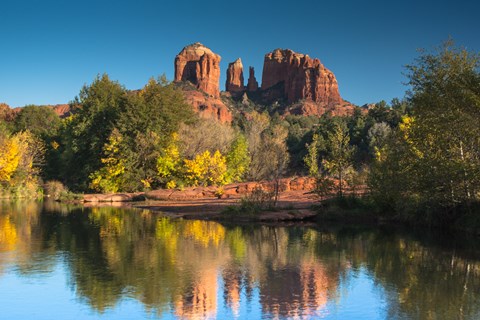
295	201
292	205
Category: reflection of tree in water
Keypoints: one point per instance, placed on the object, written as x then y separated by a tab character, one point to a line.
8	234
421	282
20	230
175	264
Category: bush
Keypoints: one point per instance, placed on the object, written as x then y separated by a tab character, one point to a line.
54	189
253	203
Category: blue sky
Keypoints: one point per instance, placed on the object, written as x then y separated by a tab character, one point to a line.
50	48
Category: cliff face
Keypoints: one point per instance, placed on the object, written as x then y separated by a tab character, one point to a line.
235	81
199	65
301	76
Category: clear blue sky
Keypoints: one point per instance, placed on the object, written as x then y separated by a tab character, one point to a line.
50	48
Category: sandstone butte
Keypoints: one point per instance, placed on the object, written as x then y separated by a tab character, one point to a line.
303	78
305	83
234	83
200	66
252	84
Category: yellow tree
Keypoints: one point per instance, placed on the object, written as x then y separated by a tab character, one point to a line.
110	177
206	169
9	158
168	164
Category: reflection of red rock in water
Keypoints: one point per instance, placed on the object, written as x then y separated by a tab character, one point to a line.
302	292
201	300
232	278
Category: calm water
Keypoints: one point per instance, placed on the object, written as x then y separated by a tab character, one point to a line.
104	263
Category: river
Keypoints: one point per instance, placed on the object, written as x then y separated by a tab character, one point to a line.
61	262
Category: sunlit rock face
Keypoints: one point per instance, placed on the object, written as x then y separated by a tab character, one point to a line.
302	77
197	72
235	80
199	65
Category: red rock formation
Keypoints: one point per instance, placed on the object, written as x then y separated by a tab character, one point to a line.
311	108
234	82
208	107
302	77
252	82
199	65
63	110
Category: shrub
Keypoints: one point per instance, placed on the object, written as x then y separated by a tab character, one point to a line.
253	203
54	189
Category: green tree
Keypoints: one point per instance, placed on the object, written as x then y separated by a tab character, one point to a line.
148	122
434	153
110	178
274	148
339	152
40	120
7	116
44	123
238	159
445	133
311	159
97	109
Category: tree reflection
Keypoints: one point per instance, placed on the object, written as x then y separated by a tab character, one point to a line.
181	267
19	231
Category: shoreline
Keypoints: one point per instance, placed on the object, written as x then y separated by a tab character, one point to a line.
208	203
292	206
